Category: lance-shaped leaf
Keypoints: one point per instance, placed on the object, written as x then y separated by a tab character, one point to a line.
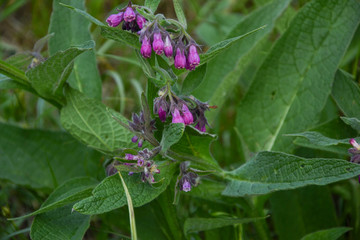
284	86
225	70
109	194
13	73
328	234
42	159
71	29
180	13
92	123
171	135
273	171
59	224
346	94
203	224
194	146
152	4
71	191
8	83
353	122
49	77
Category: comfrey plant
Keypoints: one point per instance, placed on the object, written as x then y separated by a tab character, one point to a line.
276	116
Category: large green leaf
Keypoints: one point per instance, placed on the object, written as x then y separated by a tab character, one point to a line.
8	83
71	191
346	94
71	29
328	234
171	135
302	211
353	122
109	194
297	75
203	224
60	224
41	159
93	124
152	4
273	171
13	73
194	146
224	71
49	77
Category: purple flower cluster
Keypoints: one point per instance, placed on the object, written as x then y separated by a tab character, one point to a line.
355	151
133	21
155	38
138	125
188	179
182	111
143	164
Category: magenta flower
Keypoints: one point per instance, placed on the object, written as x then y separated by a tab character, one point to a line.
187	116
158	44
168	49
129	15
162	114
140	20
134	139
180	59
146	47
115	19
200	128
177	117
193	57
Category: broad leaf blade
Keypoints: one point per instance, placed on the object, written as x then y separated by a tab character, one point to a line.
328	234
285	86
203	224
273	171
42	152
70	28
13	73
152	4
109	194
353	122
121	36
92	123
171	135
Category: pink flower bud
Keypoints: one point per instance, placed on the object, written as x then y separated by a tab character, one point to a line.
177	117
134	139
129	156
193	57
140	143
158	44
140	20
180	60
129	15
187	116
115	19
354	143
146	48
168	49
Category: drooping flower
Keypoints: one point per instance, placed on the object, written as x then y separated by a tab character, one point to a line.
168	48
141	21
180	59
176	117
146	47
134	139
355	151
115	19
186	186
158	44
129	14
187	116
188	179
193	57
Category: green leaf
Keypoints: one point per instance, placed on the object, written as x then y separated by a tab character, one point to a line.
13	73
20	60
346	94
316	140
92	123
328	234
70	28
353	122
273	171
84	14
60	224
152	4
223	45
194	146
43	154
284	84
121	36
71	191
302	211
204	224
109	194
171	135
180	13
226	69
49	77
8	83
193	79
